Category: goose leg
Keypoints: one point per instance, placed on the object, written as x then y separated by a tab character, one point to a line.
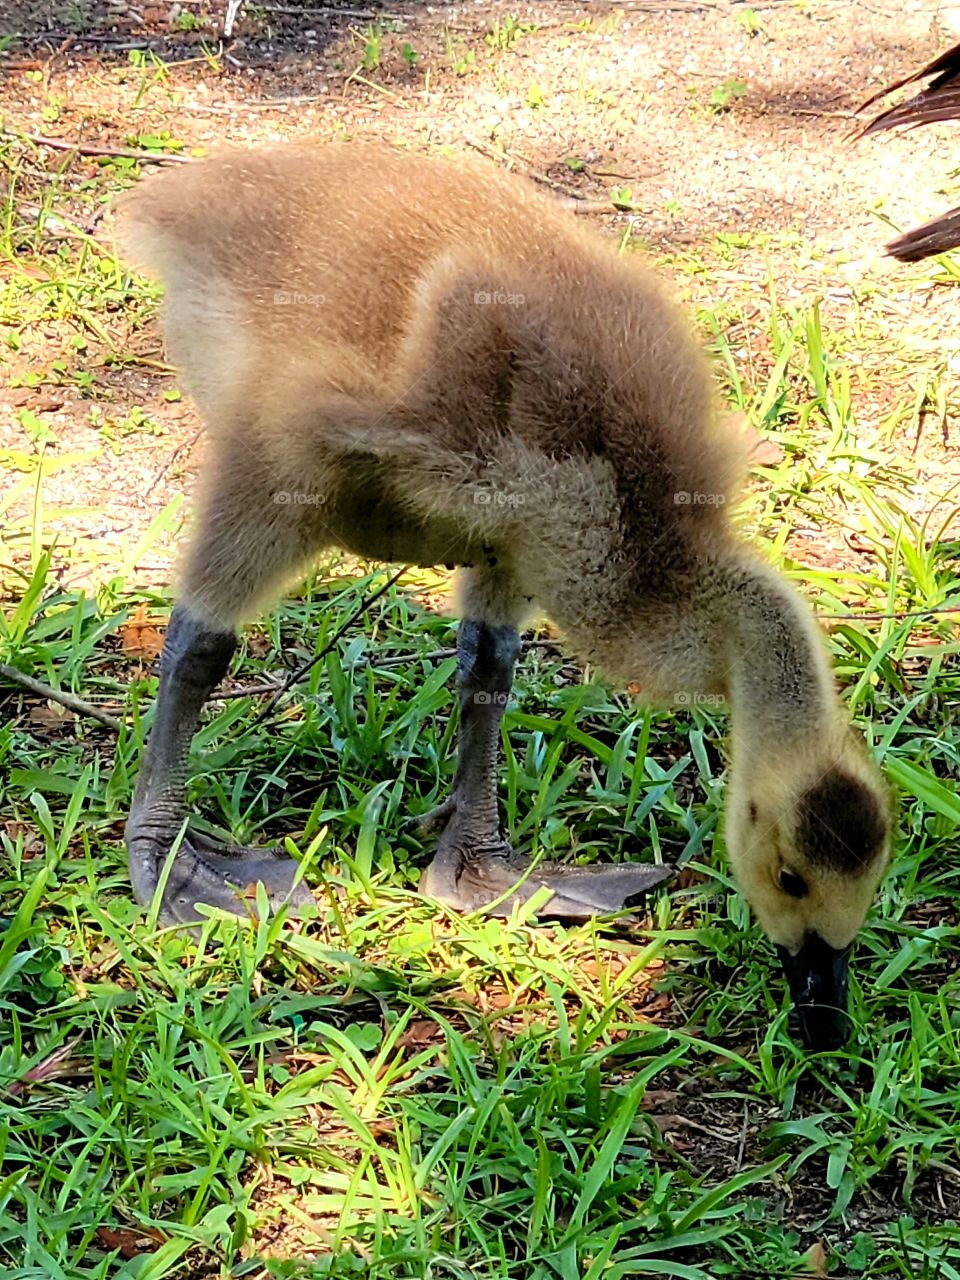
474	866
247	538
195	659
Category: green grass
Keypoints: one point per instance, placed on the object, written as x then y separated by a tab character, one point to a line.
353	1078
387	1091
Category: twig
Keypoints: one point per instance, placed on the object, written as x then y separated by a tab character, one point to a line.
332	10
121	46
259	104
741	1149
57	229
61	48
441	655
823	115
507	160
583	206
356	77
395	660
567	199
93	149
952	1173
59	695
667	6
250	691
296	676
159	43
183	447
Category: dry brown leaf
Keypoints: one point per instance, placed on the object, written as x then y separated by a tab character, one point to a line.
665	1123
258	644
35	400
49	713
688	878
420	1033
767	453
815	1261
57	1064
672	1121
140	637
657	1098
131	1242
32	841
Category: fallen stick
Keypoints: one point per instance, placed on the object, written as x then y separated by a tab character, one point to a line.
392	660
68	700
332	11
94	149
595	206
296	676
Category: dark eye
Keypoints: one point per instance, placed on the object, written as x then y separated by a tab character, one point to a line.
793	884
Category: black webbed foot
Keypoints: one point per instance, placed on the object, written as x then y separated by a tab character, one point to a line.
469	876
206	873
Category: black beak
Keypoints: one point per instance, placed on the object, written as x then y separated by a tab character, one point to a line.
819	978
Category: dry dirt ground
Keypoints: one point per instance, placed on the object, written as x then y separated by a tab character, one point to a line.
588	99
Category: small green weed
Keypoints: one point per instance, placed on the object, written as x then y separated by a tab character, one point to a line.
505	33
724	95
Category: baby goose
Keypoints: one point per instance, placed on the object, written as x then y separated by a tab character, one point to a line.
429	362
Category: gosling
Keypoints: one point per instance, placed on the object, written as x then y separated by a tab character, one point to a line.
427	361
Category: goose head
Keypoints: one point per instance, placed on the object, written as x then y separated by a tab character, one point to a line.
808	841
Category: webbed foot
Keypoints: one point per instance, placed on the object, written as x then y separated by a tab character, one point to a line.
469	876
205	873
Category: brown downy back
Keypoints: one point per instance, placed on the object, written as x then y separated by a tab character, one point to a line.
356	296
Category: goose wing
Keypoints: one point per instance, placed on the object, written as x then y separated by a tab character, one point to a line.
938	100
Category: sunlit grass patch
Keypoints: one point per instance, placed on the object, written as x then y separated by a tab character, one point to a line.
386	1087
